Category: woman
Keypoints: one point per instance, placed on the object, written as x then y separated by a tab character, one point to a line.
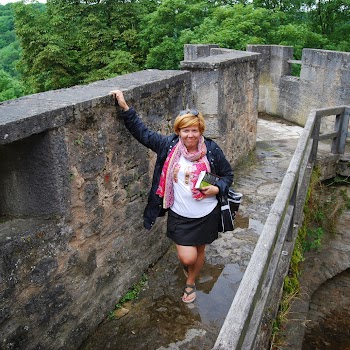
193	215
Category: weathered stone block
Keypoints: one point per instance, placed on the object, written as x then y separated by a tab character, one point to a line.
192	52
34	176
323	81
225	89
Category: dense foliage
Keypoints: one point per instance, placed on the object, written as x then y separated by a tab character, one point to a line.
10	86
69	42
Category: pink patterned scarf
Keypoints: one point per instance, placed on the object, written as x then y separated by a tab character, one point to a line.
171	167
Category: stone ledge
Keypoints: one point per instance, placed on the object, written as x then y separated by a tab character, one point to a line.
219	59
36	113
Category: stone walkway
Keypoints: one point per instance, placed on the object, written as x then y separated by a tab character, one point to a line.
158	319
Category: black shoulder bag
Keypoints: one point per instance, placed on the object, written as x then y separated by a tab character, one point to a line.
229	206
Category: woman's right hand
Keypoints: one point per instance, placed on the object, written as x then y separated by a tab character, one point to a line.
119	96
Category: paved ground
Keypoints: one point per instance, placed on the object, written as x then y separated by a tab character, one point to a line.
158	319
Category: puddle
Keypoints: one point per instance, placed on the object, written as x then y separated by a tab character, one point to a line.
246	222
158	320
214	300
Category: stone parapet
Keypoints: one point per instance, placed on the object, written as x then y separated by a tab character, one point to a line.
33	114
73	186
324	81
225	88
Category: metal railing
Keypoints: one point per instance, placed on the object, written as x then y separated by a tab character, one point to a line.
244	318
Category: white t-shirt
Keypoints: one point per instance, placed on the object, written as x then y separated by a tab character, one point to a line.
184	204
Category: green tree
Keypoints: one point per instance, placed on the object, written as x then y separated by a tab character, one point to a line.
78	41
299	36
9	87
70	42
119	62
236	26
161	30
326	16
6	25
9	46
331	18
166	55
9	56
279	5
39	63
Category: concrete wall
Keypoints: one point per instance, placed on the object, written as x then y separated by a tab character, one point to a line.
73	187
324	81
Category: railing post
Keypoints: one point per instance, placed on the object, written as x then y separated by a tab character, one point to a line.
292	203
315	137
341	127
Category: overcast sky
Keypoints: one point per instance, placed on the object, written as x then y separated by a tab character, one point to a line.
4	2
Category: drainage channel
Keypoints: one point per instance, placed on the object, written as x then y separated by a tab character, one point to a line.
158	319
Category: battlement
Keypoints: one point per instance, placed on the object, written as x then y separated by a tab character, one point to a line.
74	183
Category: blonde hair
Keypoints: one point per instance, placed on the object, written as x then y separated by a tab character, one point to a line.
189	118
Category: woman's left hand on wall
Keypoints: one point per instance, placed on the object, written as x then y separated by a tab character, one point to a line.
119	96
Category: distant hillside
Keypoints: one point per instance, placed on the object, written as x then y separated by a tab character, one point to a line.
9	46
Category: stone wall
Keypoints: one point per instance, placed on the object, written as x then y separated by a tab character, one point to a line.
325	277
225	87
324	81
73	186
328	320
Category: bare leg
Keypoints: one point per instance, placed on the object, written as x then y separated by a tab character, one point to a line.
193	257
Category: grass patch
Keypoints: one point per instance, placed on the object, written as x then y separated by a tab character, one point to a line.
132	294
284	308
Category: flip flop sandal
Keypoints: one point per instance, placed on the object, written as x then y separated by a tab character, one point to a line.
185	269
193	287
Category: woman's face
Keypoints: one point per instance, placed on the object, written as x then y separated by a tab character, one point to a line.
190	137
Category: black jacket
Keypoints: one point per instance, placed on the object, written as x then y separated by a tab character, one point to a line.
162	145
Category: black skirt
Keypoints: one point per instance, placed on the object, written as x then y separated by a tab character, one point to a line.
193	232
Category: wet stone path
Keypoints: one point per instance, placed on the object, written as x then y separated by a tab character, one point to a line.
158	319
